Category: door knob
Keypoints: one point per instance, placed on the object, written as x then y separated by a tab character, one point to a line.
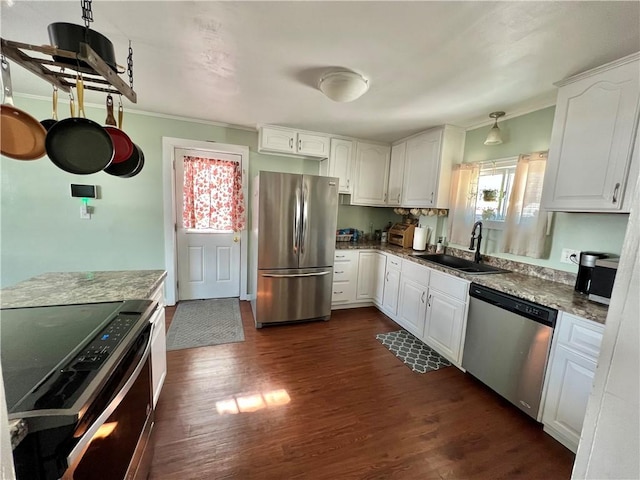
236	239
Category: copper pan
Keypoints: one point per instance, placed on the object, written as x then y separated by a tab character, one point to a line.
22	137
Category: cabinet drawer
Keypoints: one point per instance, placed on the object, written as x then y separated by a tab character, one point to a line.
345	255
583	336
343	292
449	284
394	262
342	271
415	272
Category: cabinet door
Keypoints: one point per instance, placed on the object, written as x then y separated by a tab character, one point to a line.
443	328
313	145
396	173
366	276
421	170
340	163
158	354
380	265
591	142
277	140
391	290
372	174
570	382
412	306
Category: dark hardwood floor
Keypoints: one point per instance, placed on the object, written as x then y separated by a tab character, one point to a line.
354	411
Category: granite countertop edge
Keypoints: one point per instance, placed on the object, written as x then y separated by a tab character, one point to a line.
67	288
559	296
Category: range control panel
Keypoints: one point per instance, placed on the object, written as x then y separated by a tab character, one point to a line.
95	354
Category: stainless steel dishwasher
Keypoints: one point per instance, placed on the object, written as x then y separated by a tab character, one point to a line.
507	345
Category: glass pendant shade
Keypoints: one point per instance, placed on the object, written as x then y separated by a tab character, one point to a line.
494	137
343	86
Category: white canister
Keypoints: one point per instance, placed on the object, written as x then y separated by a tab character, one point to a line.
420	238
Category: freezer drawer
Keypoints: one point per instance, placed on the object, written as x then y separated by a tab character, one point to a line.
293	294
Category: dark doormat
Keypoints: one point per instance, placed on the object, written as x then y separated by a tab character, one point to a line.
413	352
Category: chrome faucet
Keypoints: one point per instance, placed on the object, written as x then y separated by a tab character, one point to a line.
473	241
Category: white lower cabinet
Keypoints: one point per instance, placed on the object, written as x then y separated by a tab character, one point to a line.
444	325
447	308
570	373
412	306
158	344
345	269
391	286
412	302
366	275
379	270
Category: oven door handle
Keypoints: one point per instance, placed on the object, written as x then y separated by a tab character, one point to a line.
85	440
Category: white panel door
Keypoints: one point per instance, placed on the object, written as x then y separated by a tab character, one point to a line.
412	306
445	321
366	274
208	261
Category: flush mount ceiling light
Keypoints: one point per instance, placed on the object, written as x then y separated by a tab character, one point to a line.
494	137
343	86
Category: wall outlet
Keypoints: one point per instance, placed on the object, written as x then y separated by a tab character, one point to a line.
570	256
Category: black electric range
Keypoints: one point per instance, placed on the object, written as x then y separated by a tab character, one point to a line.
64	365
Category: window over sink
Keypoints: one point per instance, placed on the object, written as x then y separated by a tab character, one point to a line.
495	181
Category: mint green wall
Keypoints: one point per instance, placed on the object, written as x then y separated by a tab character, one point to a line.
361	218
40	223
580	231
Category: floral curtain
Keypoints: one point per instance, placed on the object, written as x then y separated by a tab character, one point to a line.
213	197
525	223
462	202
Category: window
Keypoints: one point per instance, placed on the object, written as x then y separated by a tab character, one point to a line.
495	182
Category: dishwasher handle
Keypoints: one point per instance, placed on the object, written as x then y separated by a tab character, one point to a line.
531	310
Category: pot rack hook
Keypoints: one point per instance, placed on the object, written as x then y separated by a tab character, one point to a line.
130	65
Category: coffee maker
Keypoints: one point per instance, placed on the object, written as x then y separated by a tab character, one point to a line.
585	270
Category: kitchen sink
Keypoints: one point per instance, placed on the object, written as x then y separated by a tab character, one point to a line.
460	264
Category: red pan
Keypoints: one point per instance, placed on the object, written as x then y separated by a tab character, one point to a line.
122	144
21	137
79	145
130	167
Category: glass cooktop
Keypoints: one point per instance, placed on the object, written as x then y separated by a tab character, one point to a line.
37	341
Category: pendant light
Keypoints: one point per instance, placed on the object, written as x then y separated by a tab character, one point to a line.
494	138
343	86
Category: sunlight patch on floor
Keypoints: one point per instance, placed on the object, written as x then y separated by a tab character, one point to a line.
252	402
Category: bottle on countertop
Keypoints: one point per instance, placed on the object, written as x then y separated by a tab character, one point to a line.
440	245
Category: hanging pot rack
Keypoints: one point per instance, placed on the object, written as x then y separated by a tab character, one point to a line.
102	79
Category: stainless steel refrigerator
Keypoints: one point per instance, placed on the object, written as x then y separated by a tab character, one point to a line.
293	241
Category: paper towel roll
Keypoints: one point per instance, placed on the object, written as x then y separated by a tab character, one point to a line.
420	238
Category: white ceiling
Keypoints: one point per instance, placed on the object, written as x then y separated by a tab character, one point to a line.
429	63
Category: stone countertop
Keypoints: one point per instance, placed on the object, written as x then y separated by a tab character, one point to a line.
62	288
544	291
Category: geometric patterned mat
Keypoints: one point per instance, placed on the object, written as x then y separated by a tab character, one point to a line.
413	352
198	323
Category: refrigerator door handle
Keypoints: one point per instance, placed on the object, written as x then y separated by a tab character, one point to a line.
296	223
305	209
293	275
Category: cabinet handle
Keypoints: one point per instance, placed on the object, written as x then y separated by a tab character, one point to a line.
338	293
398	198
347	183
387	276
429	302
385	198
339	256
340	271
422	298
431	197
615	192
291	143
299	144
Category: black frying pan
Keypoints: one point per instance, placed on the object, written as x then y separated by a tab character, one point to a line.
130	167
79	145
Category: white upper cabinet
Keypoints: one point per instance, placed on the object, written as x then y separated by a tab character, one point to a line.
591	148
429	158
341	162
293	142
396	173
371	174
